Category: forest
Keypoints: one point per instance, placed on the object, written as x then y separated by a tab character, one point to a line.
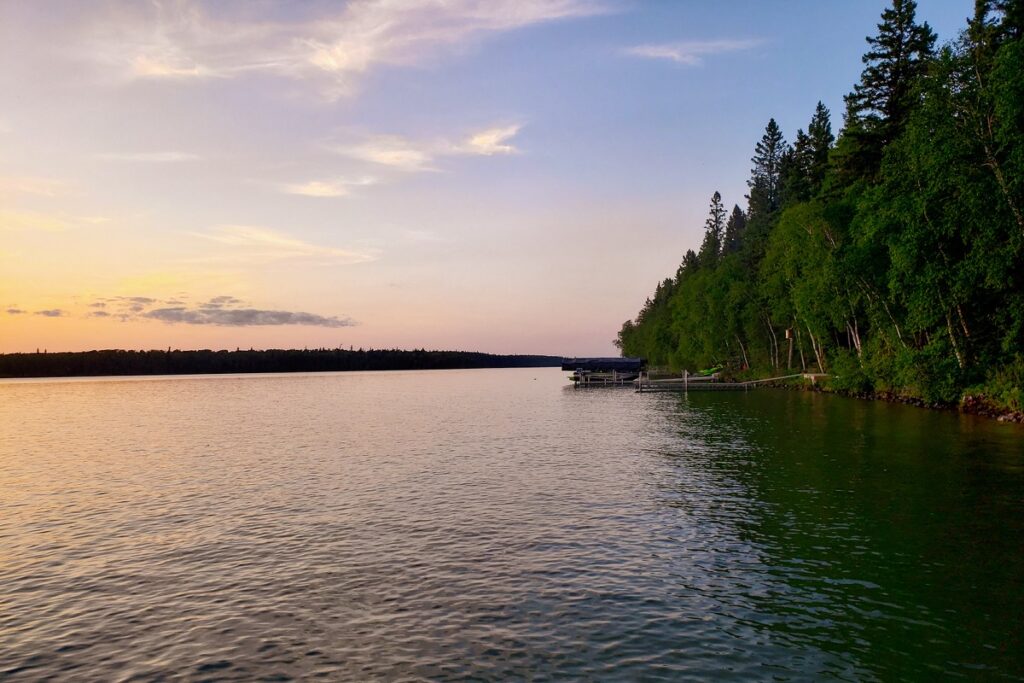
889	254
118	362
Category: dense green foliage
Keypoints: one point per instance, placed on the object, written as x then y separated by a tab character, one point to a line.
93	363
891	257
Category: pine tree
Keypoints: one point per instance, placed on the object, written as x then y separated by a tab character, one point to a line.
714	231
766	179
796	170
878	108
821	140
689	264
766	176
734	230
803	171
996	22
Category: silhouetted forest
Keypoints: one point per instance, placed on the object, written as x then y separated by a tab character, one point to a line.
115	362
891	256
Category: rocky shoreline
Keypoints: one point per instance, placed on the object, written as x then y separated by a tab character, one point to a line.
970	404
980	405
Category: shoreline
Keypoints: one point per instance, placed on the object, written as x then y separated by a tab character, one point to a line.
977	405
132	363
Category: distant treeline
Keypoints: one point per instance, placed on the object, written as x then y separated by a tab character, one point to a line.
890	256
116	362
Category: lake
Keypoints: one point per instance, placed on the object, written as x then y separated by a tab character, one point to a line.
496	525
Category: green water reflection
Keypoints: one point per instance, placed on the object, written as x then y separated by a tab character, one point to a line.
893	535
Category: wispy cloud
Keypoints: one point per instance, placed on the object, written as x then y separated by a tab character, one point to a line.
222	310
690	53
409	155
181	41
492	141
406	33
391	150
153	157
26	185
244	317
151	66
337	187
34	221
16	311
133	304
121	307
257	243
219	302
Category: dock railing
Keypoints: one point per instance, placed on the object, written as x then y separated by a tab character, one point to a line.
685	382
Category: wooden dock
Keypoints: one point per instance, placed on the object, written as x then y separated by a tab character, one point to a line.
649	386
644	384
618	372
609	379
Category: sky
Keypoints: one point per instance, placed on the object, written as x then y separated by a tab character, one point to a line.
510	176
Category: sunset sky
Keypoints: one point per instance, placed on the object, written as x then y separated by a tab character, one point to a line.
511	176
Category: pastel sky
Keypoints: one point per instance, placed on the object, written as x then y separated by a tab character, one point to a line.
511	176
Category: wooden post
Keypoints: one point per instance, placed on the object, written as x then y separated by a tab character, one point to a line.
686	381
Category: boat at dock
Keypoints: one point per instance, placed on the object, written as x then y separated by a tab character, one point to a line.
588	372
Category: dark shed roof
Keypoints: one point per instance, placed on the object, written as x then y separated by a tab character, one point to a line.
604	364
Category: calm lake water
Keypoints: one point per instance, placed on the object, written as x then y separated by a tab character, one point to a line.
495	524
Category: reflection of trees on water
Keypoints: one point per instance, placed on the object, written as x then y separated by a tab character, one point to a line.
885	535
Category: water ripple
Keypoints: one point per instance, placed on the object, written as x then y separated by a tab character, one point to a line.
486	525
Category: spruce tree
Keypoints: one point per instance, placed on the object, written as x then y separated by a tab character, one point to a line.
819	131
766	175
689	264
796	170
734	230
714	231
996	22
878	108
804	170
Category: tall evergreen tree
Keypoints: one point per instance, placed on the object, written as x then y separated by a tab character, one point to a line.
819	132
689	264
734	230
714	232
765	198
996	22
804	170
796	170
766	175
878	108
